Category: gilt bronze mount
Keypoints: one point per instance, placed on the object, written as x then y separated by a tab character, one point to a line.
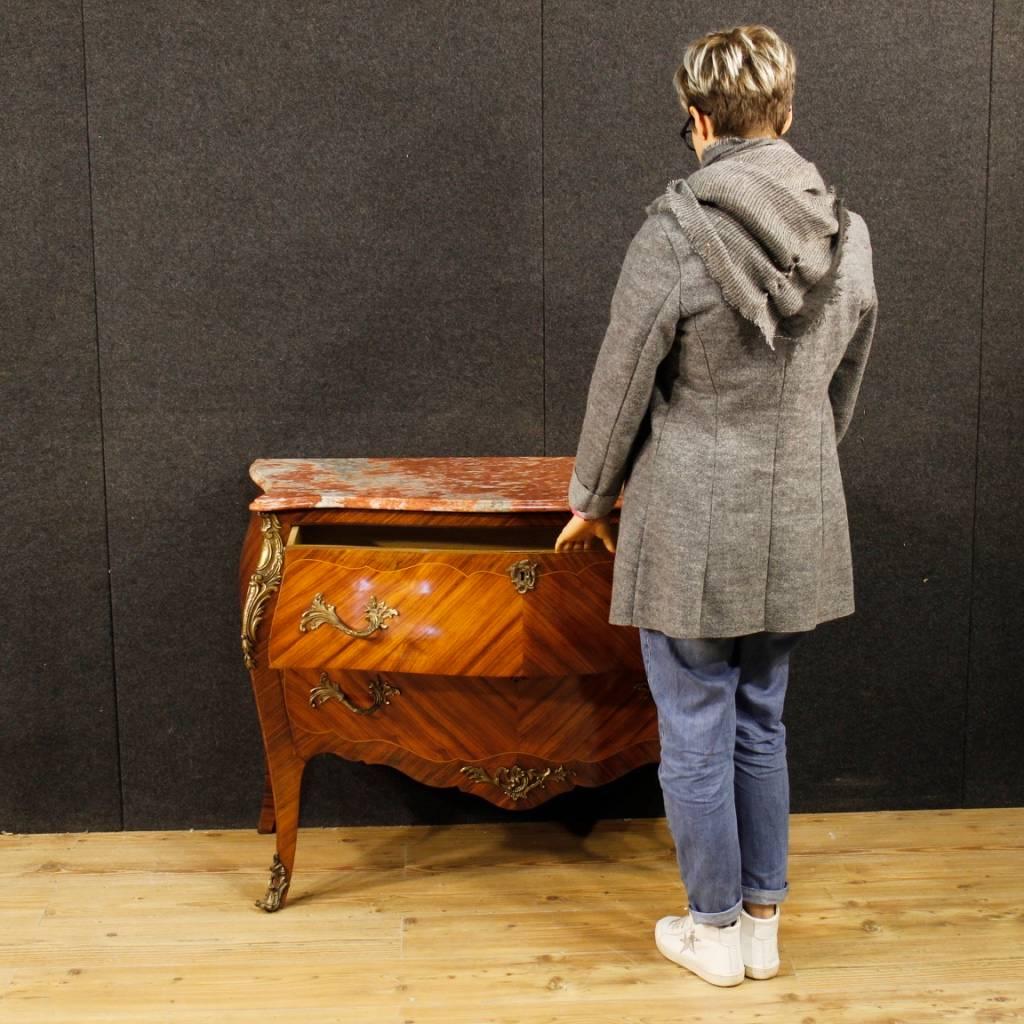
380	690
523	575
277	888
516	781
320	614
263	582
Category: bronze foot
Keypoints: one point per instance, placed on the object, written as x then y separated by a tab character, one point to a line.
277	888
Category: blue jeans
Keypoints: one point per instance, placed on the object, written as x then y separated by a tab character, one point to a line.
723	767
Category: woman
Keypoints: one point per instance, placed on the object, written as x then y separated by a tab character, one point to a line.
739	332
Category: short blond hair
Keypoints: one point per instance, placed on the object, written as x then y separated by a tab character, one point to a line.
743	78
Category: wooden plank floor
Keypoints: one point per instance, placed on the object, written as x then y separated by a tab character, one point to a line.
909	916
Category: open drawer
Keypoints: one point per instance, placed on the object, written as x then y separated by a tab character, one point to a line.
481	601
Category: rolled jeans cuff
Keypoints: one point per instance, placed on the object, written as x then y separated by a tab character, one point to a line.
765	897
720	918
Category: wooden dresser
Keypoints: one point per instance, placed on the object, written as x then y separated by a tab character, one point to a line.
414	613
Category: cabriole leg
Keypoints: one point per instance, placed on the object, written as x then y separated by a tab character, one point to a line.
287	779
268	815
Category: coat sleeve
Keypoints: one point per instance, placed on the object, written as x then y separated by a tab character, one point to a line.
645	311
845	384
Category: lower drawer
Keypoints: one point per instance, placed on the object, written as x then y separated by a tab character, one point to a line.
445	718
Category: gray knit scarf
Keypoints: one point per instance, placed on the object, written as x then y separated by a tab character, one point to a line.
768	230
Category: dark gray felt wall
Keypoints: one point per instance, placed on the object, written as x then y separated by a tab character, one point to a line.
58	712
385	228
993	718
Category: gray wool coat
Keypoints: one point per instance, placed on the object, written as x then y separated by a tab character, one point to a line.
739	332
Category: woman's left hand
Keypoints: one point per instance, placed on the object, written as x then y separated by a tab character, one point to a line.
578	534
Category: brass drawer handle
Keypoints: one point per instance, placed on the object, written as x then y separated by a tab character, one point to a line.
516	781
320	614
380	689
524	575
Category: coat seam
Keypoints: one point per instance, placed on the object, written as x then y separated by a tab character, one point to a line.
643	525
683	314
821	496
684	311
771	506
629	385
714	474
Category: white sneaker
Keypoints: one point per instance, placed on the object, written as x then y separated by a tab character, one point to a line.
711	952
759	943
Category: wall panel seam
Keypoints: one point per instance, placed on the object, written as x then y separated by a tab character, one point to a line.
103	439
543	254
977	435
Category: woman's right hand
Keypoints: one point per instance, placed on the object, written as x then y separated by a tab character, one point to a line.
578	534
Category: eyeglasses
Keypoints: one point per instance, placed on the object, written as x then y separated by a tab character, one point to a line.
686	133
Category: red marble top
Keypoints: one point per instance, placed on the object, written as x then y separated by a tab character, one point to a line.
488	484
